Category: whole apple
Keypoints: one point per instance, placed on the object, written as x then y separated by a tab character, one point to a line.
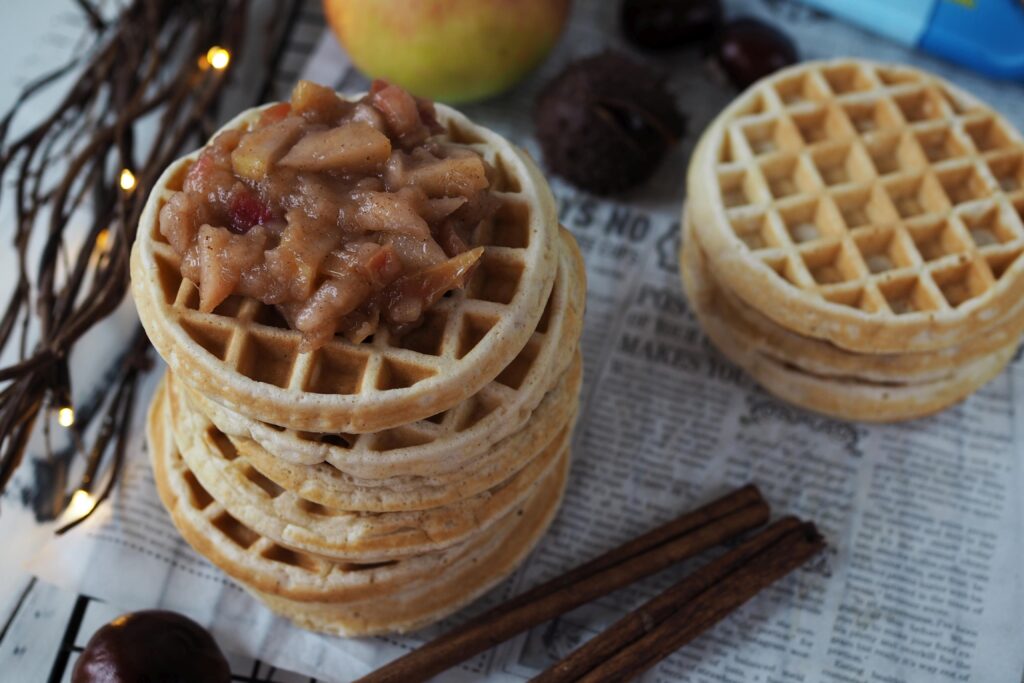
448	50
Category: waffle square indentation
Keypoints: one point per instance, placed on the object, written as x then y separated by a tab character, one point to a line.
510	226
755	231
847	78
963	282
916	195
988	134
277	553
842	163
211	337
505	179
515	372
799	89
238	533
1008	170
864	205
474	329
896	75
810	220
872	115
919	105
832	263
907	295
894	153
336	370
773	135
788	175
936	239
940	144
821	124
398	374
963	184
495	279
477	409
738	188
268	359
989	226
883	250
428	337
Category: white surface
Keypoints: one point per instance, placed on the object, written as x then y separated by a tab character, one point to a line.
925	521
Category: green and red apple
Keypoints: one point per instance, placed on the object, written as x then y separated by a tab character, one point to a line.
448	50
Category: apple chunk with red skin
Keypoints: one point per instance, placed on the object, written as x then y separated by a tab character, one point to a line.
448	50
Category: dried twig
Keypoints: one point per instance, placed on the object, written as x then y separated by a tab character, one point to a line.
145	63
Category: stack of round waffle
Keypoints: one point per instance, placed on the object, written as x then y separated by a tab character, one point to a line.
373	487
853	239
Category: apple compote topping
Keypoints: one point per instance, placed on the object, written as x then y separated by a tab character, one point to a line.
343	215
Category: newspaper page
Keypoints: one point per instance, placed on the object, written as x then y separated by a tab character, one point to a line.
921	580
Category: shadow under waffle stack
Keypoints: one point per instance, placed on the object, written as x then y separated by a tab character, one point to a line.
853	239
373	487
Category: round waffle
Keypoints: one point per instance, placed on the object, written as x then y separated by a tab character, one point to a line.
245	357
847	398
270	569
877	207
444	443
328	486
345	535
756	331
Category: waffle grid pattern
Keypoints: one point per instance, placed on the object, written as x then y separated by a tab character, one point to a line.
493	410
874	188
253	339
468	337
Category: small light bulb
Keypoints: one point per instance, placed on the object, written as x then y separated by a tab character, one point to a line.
218	57
127	180
66	416
82	503
102	240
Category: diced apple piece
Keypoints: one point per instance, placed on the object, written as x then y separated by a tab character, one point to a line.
223	256
303	245
260	149
400	111
355	147
318	104
336	297
410	295
273	114
389	212
451	177
416	253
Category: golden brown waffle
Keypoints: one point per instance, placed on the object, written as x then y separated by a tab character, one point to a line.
244	356
848	398
346	535
325	485
444	443
877	207
756	332
394	595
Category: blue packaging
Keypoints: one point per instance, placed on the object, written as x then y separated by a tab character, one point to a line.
986	35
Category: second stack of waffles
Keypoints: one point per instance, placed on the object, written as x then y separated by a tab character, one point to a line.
375	487
854	239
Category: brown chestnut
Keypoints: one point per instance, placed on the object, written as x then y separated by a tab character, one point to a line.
749	49
152	646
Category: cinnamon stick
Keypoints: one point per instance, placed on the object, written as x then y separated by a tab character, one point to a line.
648	554
709	607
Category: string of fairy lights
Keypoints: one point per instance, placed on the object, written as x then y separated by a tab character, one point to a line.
82	501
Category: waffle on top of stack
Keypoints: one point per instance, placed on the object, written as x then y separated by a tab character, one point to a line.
853	238
372	487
